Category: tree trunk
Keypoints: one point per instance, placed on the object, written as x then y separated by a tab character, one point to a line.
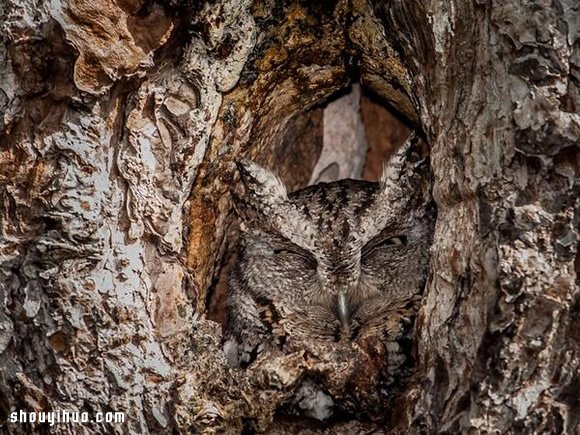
119	125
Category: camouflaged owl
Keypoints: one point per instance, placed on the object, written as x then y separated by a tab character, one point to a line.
334	262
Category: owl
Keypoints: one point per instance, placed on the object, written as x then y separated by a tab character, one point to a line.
330	265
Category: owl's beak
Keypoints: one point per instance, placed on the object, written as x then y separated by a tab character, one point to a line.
344	312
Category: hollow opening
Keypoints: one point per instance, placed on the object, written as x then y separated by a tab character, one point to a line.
313	103
352	134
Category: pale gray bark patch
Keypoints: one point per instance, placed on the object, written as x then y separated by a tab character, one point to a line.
344	143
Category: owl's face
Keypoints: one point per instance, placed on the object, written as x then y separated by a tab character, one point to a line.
335	261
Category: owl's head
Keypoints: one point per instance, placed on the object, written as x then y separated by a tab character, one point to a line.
337	259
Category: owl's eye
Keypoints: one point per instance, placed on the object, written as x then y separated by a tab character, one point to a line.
394	241
383	243
286	251
296	253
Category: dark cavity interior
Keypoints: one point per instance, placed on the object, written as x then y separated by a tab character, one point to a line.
355	122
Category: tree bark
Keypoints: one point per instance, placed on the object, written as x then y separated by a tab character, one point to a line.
119	125
497	87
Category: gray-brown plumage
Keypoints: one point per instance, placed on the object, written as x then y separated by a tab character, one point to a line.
331	263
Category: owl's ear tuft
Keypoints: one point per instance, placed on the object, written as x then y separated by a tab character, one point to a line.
393	170
261	184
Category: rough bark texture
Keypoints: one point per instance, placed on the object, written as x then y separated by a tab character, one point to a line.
120	121
497	87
